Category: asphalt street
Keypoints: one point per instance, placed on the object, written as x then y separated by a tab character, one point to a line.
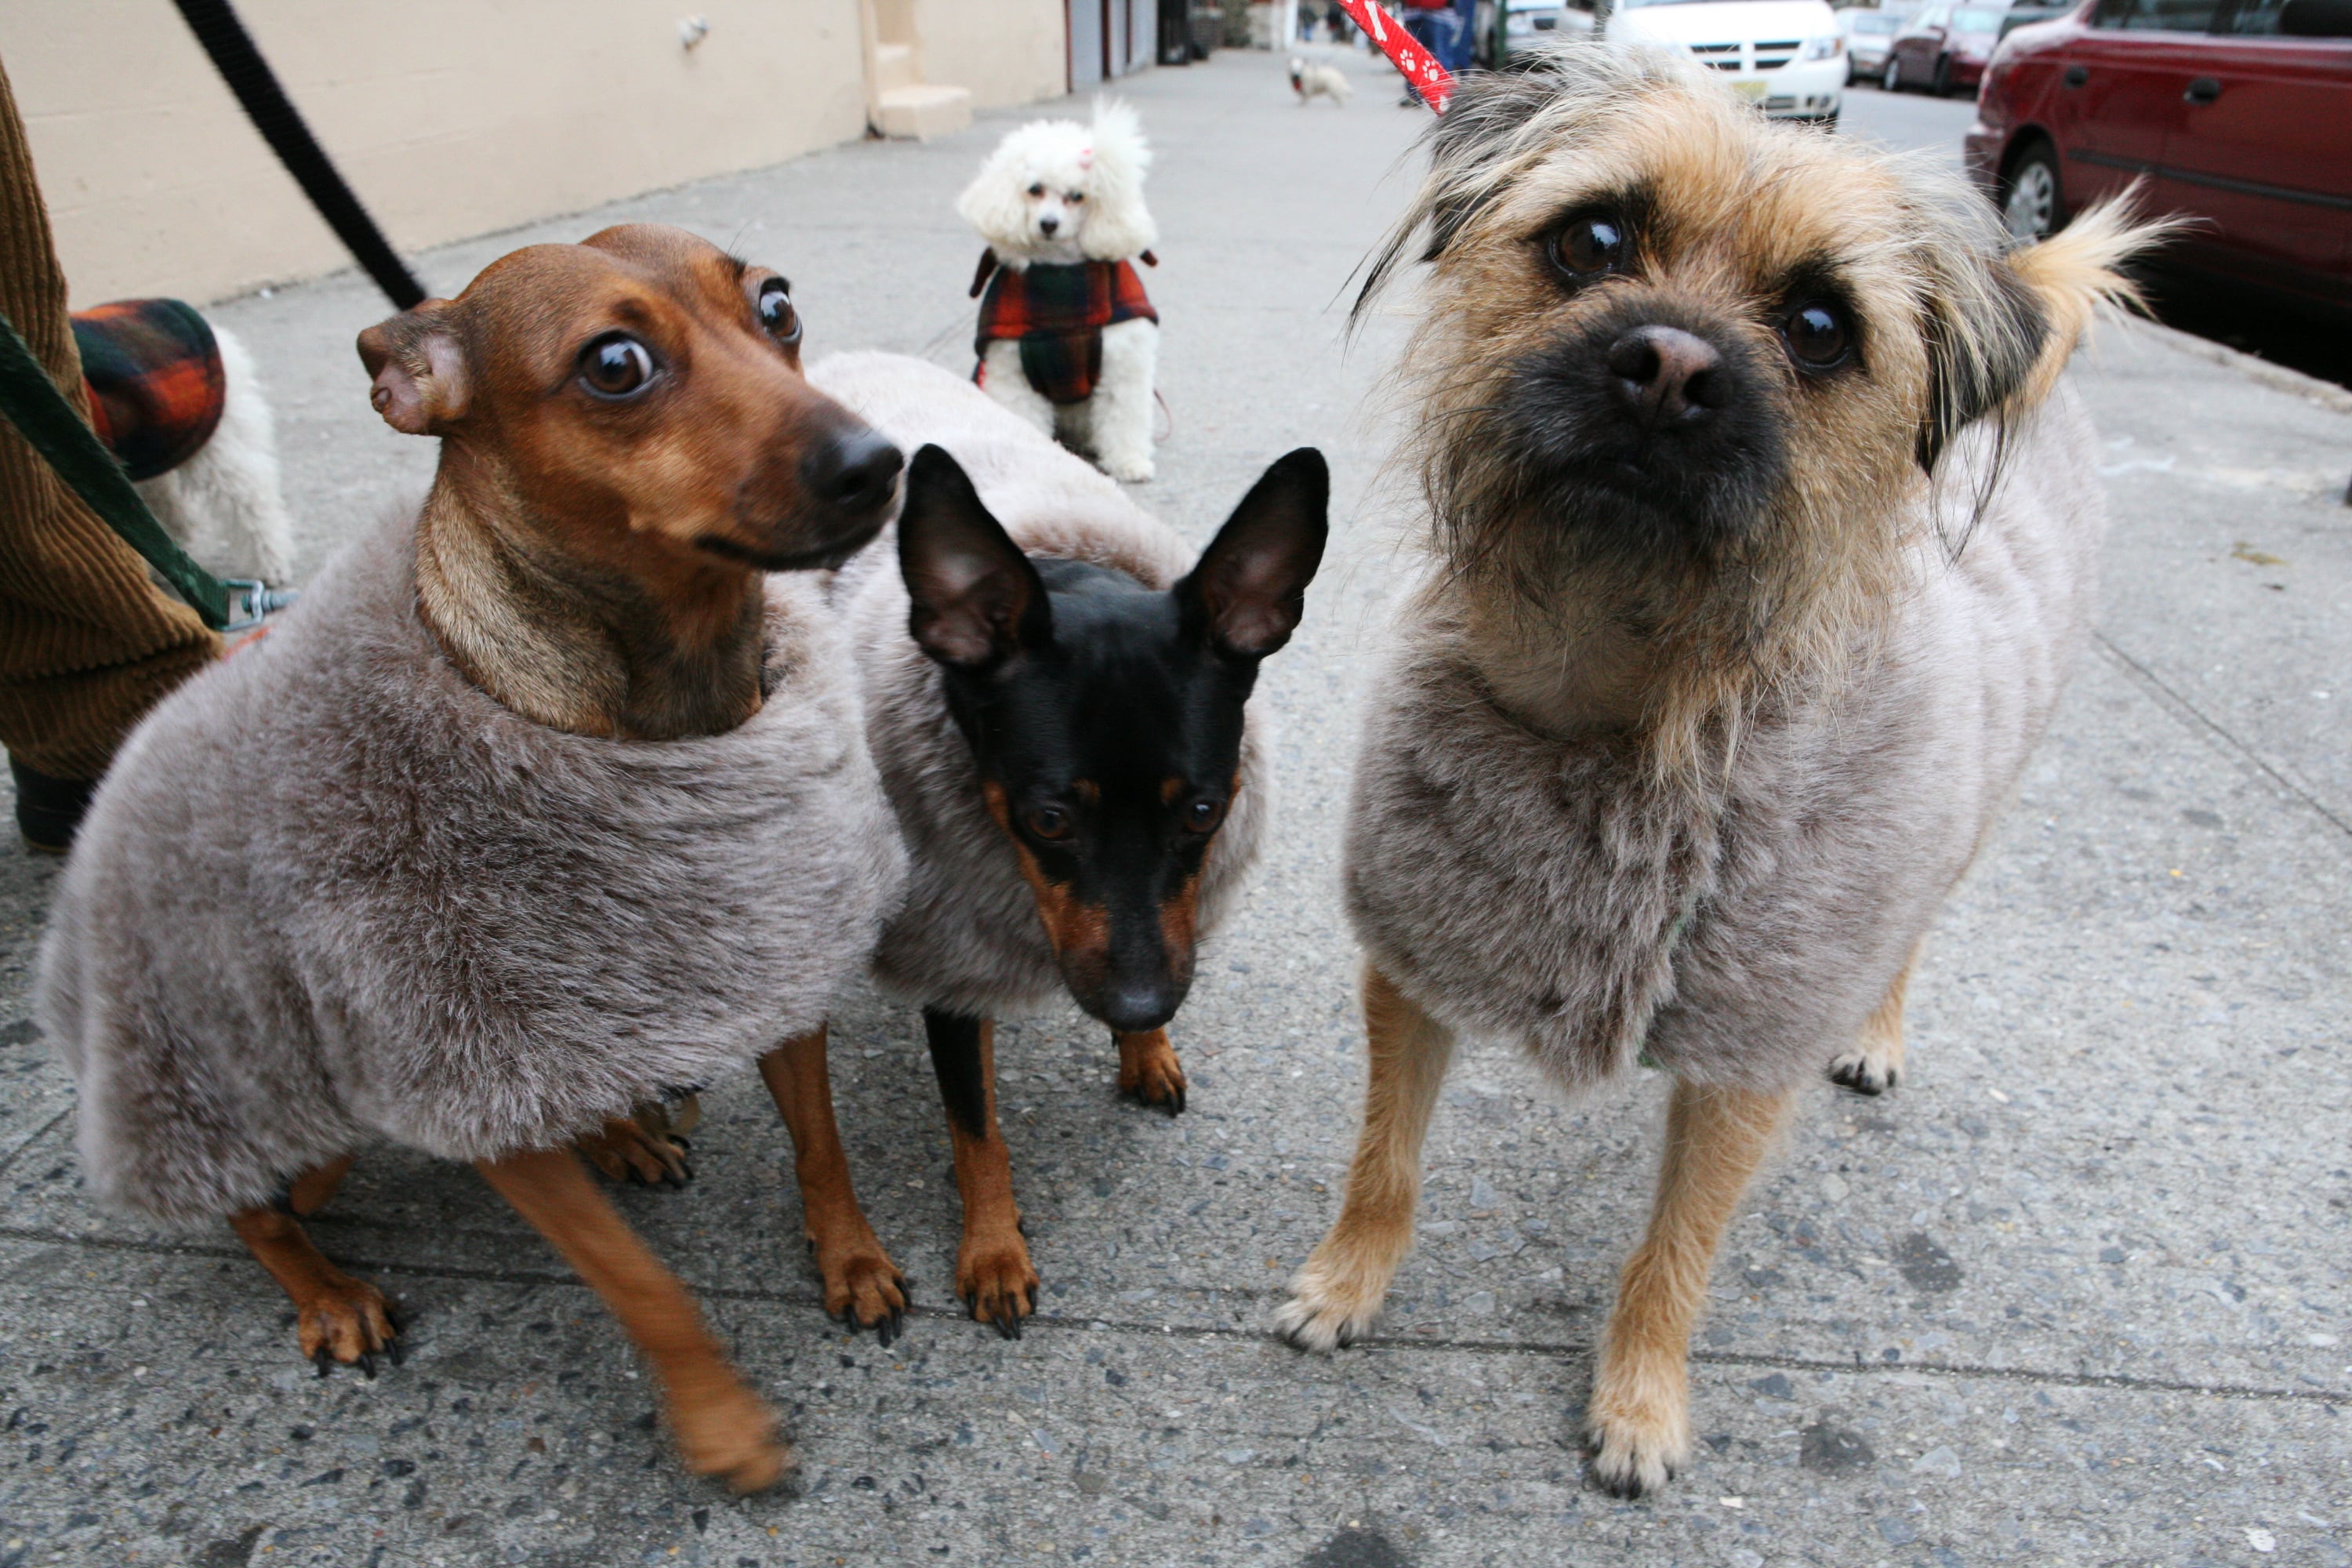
2076	1293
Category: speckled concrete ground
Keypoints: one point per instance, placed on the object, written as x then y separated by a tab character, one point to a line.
2076	1294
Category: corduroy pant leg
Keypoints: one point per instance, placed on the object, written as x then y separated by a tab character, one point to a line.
88	642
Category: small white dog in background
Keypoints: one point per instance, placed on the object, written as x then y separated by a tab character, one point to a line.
223	506
1067	339
1315	79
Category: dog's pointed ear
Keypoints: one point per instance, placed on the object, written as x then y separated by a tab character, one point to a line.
1986	330
419	370
974	600
1247	593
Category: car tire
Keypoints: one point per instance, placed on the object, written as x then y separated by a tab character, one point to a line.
2032	205
1891	79
1942	84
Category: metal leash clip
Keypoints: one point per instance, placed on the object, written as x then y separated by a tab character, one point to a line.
251	602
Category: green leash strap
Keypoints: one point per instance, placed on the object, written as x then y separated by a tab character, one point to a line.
35	406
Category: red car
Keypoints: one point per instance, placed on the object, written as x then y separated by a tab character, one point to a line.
2237	114
1945	47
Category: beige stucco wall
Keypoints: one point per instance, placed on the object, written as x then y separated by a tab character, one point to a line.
450	118
1005	51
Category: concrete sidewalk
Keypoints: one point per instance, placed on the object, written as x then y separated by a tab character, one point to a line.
2075	1294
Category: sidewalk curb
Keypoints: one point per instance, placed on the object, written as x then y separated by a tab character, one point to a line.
2277	378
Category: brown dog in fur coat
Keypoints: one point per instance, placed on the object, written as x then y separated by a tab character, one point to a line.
543	801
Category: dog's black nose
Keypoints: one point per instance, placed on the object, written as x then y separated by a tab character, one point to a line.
1139	1008
1668	377
1048	224
852	473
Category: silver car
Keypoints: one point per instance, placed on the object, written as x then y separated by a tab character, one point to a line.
1869	34
1532	24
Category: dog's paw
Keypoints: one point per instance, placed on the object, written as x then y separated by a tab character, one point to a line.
995	1276
1154	1077
728	1432
1328	1308
1862	1070
629	1151
346	1321
1636	1451
1638	1428
863	1288
1129	470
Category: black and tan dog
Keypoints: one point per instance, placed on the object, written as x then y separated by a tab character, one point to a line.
1703	709
1065	740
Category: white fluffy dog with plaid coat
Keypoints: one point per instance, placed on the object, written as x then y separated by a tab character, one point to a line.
1067	339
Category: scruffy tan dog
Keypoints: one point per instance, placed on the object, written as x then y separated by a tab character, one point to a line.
1760	535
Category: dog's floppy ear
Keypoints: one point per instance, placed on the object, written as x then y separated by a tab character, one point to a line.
1468	146
1248	591
1117	226
974	600
1985	331
419	370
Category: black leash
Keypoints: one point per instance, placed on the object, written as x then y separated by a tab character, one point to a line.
248	76
33	404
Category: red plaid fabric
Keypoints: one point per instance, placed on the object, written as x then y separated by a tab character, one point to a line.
157	387
1056	313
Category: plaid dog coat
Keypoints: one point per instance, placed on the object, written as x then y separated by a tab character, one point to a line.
157	387
1056	313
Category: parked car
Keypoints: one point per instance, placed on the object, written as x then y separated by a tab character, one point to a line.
2237	114
2025	15
1787	57
1946	48
1869	32
1533	24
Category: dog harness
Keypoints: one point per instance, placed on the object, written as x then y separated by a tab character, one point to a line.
1057	313
156	386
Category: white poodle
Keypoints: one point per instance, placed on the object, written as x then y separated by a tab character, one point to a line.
1067	338
1313	78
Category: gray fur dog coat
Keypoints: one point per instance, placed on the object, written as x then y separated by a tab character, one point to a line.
968	939
1558	894
332	892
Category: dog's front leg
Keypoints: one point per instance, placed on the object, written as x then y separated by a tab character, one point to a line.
338	1318
1119	414
1640	1413
992	1269
723	1428
1338	1294
861	1284
1001	377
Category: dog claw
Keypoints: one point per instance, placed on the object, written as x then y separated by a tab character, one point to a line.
323	1361
367	1365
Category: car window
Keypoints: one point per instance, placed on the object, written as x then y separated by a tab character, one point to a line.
1870	24
1975	19
2260	16
2156	15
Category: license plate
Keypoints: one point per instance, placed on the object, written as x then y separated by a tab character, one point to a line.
1753	89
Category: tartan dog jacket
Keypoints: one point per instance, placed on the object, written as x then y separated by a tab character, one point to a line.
1057	313
156	386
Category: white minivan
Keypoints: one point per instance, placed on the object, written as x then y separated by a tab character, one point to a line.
1787	55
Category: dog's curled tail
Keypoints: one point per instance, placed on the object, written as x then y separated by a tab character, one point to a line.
2082	267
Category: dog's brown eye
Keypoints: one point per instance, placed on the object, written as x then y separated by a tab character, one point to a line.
1049	822
617	365
1588	246
1037	190
1202	815
776	312
1817	336
1075	198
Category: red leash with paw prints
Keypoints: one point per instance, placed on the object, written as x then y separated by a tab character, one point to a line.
1419	68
